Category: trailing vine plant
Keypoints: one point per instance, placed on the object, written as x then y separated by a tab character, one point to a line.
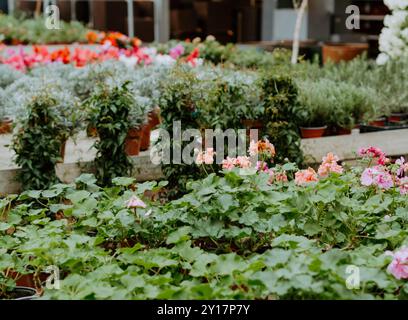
109	115
39	142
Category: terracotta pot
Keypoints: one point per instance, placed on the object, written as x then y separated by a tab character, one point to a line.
343	131
154	118
398	117
6	125
62	151
27	280
145	142
312	132
380	122
92	132
337	52
133	141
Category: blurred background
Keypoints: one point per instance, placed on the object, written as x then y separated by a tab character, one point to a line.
265	23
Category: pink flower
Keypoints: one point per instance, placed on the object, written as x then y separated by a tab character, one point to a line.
239	162
375	153
206	157
263	147
281	177
229	163
403	166
177	51
329	165
244	162
377	176
135	202
399	265
403	185
262	166
305	177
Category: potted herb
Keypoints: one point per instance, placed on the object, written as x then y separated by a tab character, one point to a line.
313	97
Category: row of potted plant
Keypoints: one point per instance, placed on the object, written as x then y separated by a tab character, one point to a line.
244	232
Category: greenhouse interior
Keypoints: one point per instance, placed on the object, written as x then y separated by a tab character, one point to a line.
183	150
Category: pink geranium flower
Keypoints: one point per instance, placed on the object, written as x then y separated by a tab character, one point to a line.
206	157
305	177
377	176
403	185
403	167
329	165
399	265
374	153
135	202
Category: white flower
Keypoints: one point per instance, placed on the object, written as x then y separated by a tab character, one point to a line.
382	59
164	59
130	62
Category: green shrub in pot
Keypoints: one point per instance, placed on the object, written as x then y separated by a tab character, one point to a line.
40	136
315	98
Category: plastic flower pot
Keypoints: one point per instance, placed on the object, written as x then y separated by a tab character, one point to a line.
133	141
312	132
337	52
145	142
6	125
23	293
398	117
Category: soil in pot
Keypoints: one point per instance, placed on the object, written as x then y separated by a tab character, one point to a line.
315	132
145	142
337	52
6	125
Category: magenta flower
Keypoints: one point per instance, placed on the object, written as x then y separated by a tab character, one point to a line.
377	176
177	51
135	202
399	265
374	153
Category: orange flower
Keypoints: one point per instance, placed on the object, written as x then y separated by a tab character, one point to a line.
92	37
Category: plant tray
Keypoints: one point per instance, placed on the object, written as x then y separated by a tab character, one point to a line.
367	129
